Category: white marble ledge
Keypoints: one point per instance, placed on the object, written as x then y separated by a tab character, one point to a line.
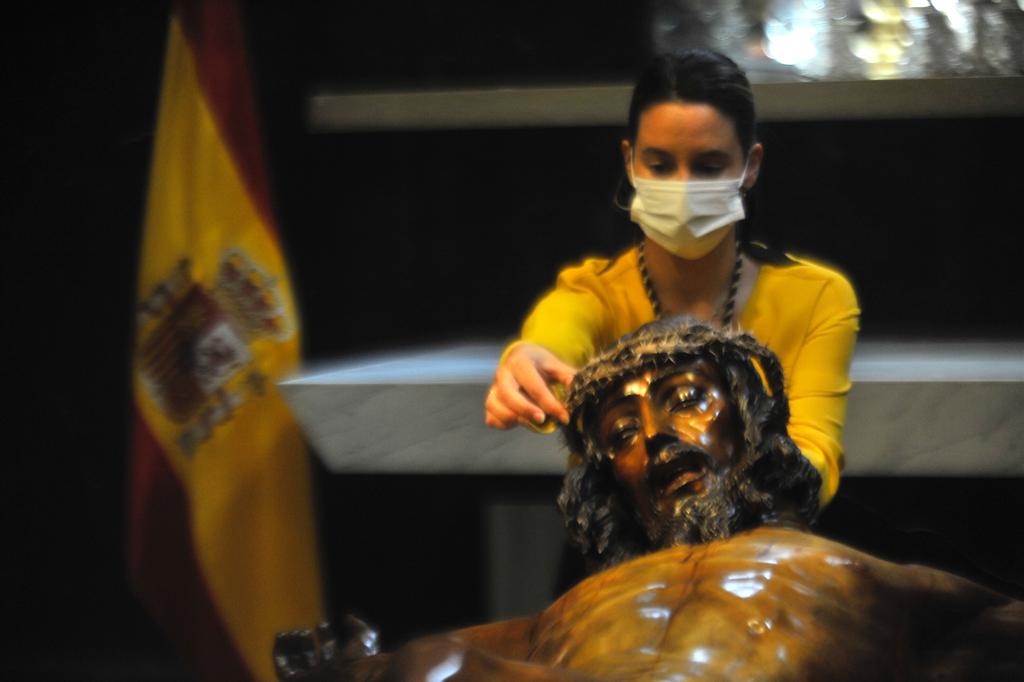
916	408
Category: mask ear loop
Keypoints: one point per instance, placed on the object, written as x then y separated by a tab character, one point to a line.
743	176
617	199
741	226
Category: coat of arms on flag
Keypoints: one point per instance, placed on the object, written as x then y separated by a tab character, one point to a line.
195	342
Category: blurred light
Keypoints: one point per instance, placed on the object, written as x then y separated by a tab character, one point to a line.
790	44
851	39
954	14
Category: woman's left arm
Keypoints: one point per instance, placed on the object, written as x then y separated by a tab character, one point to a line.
820	381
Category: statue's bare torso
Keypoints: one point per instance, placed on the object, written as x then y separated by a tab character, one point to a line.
769	604
772	603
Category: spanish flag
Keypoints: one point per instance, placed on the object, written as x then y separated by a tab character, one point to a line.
221	536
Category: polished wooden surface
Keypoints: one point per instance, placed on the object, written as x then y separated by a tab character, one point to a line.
773	603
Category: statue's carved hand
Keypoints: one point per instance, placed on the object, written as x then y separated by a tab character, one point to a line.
295	654
300	654
360	640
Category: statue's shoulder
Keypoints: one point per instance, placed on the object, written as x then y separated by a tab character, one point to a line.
802	556
784	543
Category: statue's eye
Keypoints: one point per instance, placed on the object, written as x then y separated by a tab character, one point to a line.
685	398
623	432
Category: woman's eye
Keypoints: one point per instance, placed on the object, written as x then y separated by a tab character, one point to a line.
660	168
708	171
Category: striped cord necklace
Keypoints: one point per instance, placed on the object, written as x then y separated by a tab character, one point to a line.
724	313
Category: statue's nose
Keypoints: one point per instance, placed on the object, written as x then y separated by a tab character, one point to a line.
660	435
658	432
649	422
659	443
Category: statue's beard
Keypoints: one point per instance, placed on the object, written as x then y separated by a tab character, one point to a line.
712	515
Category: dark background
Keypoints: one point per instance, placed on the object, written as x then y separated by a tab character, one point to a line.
401	238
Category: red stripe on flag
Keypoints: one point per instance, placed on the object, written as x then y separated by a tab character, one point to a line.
163	566
214	30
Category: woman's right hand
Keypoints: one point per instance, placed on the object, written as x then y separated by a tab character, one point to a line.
520	392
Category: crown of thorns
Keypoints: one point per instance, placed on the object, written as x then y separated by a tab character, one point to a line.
662	345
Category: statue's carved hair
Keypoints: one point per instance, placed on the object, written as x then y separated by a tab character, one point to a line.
771	476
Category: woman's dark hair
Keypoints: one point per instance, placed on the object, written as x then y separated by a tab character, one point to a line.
701	77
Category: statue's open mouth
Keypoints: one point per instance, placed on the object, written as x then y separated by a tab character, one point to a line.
689	483
683	473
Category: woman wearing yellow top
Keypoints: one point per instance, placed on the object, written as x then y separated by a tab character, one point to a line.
690	156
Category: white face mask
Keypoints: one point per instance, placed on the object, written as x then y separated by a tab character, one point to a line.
687	218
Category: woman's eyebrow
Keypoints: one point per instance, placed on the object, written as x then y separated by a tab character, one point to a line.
656	151
713	155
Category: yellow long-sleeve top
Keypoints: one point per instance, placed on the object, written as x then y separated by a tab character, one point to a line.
805	312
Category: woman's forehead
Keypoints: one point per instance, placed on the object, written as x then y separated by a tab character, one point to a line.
667	125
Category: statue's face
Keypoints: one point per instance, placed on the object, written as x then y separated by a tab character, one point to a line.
672	436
